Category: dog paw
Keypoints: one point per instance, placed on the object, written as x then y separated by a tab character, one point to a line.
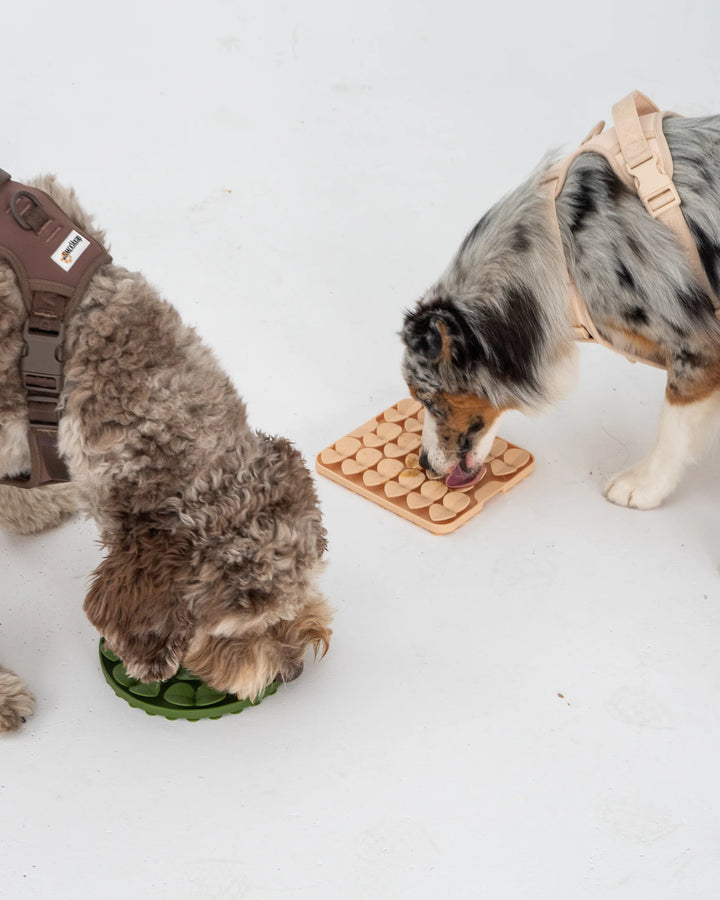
150	659
635	488
16	701
159	669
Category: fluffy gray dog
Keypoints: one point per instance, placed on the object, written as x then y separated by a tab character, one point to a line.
213	530
495	332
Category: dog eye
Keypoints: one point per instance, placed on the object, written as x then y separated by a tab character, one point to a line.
427	402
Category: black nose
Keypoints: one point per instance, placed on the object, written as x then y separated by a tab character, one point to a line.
287	677
424	461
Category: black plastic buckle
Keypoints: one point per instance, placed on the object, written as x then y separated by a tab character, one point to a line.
41	364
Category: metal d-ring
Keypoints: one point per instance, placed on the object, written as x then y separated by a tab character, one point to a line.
18	218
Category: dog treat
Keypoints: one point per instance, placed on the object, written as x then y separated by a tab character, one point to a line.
380	461
181	697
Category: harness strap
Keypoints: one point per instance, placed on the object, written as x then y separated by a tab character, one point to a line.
41	370
653	180
53	261
638	152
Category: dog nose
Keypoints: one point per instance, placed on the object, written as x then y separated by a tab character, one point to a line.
287	678
424	461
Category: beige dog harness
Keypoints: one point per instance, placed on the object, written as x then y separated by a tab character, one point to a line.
53	261
638	152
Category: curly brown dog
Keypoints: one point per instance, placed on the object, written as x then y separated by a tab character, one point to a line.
213	530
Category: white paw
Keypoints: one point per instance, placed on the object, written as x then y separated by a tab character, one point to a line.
16	701
636	488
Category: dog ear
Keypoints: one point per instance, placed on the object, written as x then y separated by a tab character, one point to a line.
137	602
441	333
422	334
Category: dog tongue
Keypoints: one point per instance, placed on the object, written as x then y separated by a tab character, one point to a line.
460	477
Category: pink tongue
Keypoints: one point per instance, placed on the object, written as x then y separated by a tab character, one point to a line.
460	478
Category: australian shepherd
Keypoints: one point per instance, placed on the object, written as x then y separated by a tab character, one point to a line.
495	331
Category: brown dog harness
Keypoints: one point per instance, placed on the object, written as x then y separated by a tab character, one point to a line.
638	152
53	261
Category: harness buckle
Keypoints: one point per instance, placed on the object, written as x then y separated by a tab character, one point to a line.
662	200
43	412
655	188
41	364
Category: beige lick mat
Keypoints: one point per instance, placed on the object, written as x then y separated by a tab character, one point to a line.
380	461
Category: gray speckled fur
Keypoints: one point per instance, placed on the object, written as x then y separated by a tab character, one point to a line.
621	237
630	269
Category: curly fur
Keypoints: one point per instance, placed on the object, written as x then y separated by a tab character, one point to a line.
16	701
28	512
213	530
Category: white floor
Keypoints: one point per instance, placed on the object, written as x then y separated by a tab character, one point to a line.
293	176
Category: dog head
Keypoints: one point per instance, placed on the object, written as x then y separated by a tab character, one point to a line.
445	364
229	592
470	357
255	597
492	335
470	360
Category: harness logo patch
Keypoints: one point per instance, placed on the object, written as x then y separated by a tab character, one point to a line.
71	249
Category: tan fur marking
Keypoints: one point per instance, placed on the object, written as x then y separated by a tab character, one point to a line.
246	663
642	346
691	390
446	349
460	411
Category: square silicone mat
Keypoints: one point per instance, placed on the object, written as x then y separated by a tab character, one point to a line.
380	461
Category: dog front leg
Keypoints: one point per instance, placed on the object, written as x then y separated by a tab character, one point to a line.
686	429
137	600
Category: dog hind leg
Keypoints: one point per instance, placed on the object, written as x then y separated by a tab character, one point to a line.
684	434
27	511
16	701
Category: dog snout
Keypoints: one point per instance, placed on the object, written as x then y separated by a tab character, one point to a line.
288	676
428	466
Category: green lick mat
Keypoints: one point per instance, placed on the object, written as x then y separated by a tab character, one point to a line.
184	696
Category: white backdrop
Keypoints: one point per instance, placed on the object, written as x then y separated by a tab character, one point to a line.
292	176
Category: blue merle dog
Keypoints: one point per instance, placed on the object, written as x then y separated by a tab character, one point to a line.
495	332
